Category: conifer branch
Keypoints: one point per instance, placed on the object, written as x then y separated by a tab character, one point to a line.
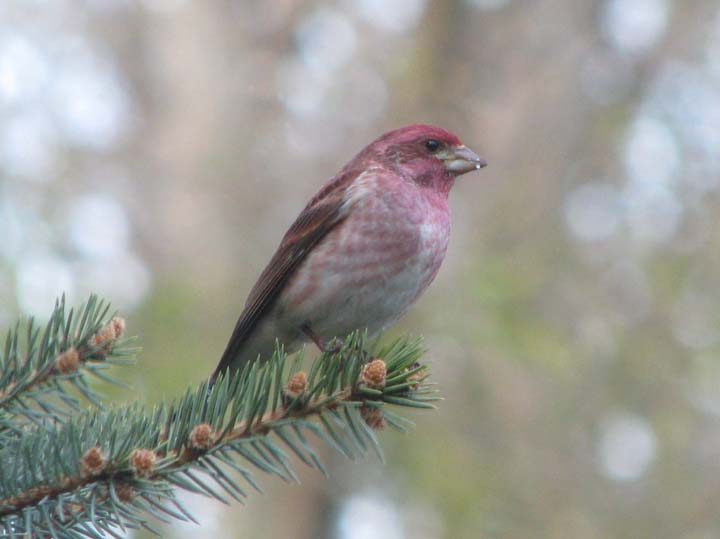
39	369
105	470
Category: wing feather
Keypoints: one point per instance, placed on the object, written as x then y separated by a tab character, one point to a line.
324	212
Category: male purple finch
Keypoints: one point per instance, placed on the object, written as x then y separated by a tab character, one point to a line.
363	249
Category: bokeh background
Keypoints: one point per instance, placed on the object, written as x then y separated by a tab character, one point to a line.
154	151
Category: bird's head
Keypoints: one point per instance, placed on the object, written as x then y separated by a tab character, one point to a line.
427	154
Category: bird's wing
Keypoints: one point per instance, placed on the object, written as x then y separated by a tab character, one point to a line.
325	211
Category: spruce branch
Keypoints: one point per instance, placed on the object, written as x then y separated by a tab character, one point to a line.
103	471
38	369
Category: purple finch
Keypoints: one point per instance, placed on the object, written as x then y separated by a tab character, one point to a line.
362	251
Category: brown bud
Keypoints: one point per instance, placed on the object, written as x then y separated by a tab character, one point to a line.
297	383
93	461
104	336
68	361
202	437
373	417
373	374
143	461
118	326
125	492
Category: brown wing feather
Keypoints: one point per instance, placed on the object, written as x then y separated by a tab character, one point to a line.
325	211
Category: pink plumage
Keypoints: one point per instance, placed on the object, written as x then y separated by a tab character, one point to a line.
362	251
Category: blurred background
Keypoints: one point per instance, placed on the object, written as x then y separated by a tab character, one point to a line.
154	151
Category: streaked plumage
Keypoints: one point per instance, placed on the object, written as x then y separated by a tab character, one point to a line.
363	249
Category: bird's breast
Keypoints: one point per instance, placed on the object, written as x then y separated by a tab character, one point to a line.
369	269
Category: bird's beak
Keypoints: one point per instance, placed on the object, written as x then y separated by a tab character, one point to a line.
462	159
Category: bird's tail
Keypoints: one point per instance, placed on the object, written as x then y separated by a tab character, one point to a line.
243	349
231	360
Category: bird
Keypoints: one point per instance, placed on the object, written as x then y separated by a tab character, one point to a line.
361	252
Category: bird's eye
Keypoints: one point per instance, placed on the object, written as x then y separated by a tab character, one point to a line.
432	145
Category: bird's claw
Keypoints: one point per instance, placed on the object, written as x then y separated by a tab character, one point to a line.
333	346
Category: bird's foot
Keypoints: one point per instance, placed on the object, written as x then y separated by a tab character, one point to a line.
310	334
333	346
